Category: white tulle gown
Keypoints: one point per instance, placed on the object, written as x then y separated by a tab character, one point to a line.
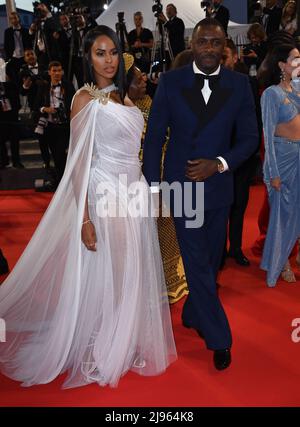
97	314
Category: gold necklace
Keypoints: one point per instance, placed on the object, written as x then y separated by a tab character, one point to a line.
102	95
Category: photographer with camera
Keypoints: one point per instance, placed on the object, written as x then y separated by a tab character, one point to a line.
43	28
16	40
53	106
140	41
32	76
254	53
217	11
175	28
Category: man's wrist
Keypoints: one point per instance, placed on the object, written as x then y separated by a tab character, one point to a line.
220	166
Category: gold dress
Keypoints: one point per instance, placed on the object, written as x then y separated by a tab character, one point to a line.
172	261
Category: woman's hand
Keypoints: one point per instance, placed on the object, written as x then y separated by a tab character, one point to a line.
276	183
88	236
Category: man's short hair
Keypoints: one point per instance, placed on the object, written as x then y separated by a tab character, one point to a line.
138	14
208	22
54	64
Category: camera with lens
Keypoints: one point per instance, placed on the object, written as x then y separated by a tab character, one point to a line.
60	116
205	4
157	8
42	124
37	13
121	17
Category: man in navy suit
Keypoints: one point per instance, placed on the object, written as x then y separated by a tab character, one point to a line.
203	104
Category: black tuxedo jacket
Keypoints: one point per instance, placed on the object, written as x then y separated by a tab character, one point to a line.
9	41
43	97
222	16
274	18
37	80
176	29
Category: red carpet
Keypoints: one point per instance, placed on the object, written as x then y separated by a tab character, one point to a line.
265	369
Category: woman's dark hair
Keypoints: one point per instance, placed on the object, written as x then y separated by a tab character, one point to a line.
89	77
273	72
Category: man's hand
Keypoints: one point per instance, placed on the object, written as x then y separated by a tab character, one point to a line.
49	110
276	183
161	17
27	82
137	44
201	169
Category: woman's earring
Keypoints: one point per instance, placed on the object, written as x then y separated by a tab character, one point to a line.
282	75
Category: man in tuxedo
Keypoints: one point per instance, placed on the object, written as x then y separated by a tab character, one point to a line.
271	17
32	76
219	12
202	104
16	40
175	28
53	106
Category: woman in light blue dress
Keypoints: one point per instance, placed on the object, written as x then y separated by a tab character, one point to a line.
281	124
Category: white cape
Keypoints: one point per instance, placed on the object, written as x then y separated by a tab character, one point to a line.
43	298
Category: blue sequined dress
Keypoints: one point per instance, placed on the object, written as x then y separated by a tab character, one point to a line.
282	159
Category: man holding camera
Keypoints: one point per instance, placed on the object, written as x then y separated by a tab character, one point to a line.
140	41
175	27
42	29
16	40
32	76
53	105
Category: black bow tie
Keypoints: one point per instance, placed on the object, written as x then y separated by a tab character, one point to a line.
16	29
212	80
33	67
55	86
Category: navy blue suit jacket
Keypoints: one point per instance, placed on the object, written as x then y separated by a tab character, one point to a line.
198	130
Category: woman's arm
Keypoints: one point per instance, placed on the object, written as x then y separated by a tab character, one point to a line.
270	103
88	232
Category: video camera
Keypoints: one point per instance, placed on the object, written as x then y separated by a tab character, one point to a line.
157	8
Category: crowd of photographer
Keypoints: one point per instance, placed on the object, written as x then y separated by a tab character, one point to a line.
43	62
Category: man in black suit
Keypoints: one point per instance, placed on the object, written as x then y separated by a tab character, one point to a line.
271	17
175	28
53	106
219	12
16	40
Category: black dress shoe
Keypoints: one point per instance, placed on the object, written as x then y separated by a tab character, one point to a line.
186	325
239	257
222	359
3	264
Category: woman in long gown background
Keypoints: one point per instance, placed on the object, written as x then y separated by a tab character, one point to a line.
281	125
88	294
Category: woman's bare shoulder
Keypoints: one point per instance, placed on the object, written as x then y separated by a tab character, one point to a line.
81	98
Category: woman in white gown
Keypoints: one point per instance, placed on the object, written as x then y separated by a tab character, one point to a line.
88	295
